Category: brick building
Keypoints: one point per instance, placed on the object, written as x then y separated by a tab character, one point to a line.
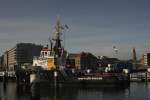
82	60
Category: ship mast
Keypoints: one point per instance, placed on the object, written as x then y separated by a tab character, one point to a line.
57	40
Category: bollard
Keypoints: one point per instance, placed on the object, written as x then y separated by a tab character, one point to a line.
55	79
32	78
5	78
146	79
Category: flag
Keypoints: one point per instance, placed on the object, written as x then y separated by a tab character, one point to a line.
66	26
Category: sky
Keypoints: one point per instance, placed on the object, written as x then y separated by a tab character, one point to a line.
95	26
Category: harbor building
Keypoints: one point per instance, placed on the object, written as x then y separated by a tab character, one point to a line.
5	61
72	61
1	62
83	60
22	53
103	61
142	59
146	59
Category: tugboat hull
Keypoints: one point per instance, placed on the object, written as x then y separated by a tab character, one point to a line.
115	80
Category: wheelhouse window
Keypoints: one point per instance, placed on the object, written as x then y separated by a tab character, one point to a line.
45	53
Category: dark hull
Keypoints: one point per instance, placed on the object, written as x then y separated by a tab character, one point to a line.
42	88
105	82
86	84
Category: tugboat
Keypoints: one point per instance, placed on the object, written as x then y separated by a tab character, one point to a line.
51	69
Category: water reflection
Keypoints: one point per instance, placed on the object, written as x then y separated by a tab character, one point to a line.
76	93
136	91
47	93
10	91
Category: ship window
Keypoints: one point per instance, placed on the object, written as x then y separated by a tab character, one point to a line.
42	54
45	53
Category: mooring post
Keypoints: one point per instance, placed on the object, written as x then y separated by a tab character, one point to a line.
5	78
55	78
55	84
146	79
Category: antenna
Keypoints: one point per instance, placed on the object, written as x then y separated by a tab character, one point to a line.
57	38
59	29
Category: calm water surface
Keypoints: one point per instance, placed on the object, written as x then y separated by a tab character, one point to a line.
136	91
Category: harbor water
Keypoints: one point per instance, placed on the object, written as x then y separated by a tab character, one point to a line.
136	91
